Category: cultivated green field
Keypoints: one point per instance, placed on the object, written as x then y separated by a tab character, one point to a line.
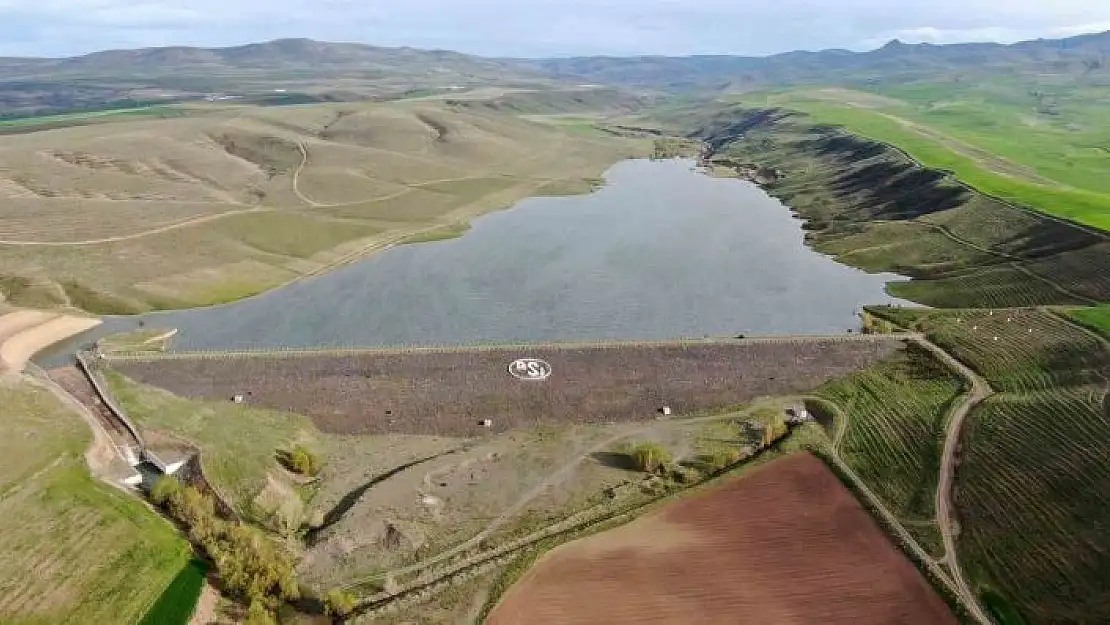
896	416
1097	317
1048	149
1033	483
75	550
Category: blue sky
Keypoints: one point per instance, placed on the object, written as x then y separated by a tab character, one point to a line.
539	27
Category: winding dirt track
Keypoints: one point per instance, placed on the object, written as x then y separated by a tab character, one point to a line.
979	391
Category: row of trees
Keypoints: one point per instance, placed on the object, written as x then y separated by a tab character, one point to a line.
252	567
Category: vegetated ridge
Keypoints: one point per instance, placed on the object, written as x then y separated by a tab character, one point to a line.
872	207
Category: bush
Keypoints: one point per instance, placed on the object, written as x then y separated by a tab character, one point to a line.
259	614
300	460
685	475
649	457
166	488
721	458
339	602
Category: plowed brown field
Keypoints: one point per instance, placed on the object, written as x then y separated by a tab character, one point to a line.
786	544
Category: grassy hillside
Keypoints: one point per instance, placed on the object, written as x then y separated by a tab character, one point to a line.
226	202
1050	157
1033	482
75	550
874	208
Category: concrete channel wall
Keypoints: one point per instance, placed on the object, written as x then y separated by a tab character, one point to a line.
101	388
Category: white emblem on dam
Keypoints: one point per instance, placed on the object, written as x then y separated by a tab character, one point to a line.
530	369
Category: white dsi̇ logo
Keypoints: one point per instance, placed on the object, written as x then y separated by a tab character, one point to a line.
530	369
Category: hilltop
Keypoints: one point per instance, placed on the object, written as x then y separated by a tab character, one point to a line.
304	70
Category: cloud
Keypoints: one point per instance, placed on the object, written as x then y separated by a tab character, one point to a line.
539	27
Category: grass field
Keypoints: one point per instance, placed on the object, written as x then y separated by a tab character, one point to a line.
1033	480
176	605
896	414
174	212
239	443
1097	317
995	137
75	550
41	120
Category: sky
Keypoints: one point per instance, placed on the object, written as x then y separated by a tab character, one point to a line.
535	28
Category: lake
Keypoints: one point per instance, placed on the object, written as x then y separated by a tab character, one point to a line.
661	251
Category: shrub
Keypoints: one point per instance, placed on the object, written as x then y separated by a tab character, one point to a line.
649	457
259	614
685	475
721	458
300	460
339	603
166	488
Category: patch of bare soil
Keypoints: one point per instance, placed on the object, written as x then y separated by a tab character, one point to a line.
25	332
786	544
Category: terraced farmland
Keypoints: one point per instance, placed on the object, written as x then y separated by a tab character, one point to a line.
896	413
988	287
1016	350
1033	497
1032	491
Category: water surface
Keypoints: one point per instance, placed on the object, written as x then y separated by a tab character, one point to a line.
661	251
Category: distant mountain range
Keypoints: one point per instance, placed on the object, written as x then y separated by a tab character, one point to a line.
324	70
1081	54
278	55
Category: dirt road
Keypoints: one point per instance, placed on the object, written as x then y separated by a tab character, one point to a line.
979	391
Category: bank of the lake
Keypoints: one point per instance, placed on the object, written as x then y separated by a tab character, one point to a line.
662	250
